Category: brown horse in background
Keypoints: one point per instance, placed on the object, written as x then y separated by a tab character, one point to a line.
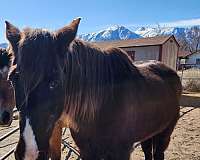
7	99
107	102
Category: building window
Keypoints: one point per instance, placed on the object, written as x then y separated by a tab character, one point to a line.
131	54
198	61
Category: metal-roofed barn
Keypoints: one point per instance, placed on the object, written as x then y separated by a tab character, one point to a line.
161	48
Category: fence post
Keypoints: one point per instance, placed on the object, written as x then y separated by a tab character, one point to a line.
182	73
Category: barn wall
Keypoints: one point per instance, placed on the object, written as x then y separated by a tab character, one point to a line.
145	53
169	53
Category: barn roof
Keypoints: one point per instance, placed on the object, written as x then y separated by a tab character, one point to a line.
195	53
183	54
149	41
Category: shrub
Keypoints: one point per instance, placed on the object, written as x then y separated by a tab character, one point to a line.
192	85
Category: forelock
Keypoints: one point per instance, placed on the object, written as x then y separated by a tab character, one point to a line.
35	55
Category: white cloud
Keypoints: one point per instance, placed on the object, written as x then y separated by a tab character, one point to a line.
182	23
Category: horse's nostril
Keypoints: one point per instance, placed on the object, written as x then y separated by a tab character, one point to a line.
5	117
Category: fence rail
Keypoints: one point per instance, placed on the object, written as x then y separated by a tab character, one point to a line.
65	144
191	78
9	133
8	154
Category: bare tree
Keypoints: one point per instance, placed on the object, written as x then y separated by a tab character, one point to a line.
190	40
158	29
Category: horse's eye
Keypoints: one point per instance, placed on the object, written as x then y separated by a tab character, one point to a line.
53	84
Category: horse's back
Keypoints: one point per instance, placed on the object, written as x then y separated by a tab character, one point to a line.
150	97
156	69
155	99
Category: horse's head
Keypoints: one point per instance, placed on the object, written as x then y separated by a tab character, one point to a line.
7	101
38	82
5	62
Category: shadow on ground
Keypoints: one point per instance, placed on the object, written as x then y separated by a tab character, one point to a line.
190	99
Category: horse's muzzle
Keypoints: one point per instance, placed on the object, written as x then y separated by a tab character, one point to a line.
20	150
5	118
43	156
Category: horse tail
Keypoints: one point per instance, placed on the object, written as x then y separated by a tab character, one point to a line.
178	87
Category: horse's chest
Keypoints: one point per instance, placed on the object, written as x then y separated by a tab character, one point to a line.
67	121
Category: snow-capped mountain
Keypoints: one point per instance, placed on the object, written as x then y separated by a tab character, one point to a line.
177	28
112	33
121	33
183	23
156	31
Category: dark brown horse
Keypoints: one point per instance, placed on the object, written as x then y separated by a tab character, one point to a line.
107	102
7	101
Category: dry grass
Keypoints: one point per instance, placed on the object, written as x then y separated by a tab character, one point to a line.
190	79
190	73
192	85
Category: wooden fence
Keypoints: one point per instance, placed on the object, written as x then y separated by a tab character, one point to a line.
64	143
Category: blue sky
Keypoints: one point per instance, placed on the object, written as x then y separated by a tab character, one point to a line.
96	15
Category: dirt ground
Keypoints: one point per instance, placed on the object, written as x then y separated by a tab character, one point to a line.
184	145
185	140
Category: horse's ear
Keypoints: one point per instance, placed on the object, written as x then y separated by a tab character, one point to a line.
67	34
12	34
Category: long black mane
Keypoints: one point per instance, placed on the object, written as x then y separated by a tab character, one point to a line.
86	71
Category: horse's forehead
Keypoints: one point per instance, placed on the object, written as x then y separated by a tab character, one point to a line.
35	43
35	34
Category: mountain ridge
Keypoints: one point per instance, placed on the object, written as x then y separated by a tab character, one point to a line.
119	32
140	32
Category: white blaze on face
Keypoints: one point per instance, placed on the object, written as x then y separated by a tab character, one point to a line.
31	148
